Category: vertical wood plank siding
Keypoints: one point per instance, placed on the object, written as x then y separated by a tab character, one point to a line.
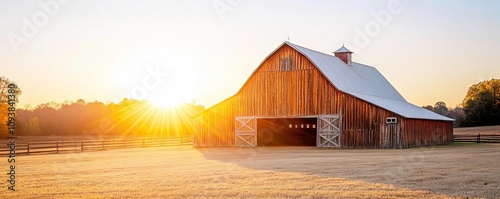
304	91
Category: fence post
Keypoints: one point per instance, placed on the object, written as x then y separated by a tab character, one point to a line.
81	144
478	138
181	141
57	146
28	148
103	143
143	142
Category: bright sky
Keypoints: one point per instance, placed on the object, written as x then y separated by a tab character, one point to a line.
206	49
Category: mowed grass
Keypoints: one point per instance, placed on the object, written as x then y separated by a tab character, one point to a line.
277	172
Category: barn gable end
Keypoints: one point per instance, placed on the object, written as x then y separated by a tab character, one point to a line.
295	82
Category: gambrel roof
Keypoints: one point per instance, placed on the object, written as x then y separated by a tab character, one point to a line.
366	83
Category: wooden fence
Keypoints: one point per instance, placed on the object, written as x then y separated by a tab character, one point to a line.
59	146
479	138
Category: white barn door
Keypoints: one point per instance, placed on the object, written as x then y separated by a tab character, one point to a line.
328	131
246	132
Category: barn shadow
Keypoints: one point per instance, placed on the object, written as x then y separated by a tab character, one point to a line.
399	168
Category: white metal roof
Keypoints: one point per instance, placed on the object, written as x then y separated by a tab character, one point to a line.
366	83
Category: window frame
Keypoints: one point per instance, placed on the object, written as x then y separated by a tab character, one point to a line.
391	120
285	64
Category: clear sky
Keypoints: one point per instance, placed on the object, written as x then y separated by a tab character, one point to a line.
206	49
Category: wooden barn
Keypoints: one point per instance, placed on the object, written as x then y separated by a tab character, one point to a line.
298	96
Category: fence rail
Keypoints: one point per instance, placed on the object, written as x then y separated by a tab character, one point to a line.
479	138
59	146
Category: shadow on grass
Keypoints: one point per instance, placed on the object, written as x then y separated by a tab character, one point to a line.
435	169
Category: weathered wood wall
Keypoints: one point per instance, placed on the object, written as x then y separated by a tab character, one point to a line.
426	132
301	90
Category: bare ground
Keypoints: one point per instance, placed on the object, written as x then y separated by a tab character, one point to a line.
464	170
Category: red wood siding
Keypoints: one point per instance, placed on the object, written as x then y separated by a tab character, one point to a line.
304	91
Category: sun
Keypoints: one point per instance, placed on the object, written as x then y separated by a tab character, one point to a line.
169	77
175	91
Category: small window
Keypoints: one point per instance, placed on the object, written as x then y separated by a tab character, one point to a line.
301	126
392	120
290	125
296	126
314	126
307	126
286	64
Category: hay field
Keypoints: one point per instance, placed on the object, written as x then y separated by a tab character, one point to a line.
490	130
465	170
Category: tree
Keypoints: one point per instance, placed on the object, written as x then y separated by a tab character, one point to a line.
458	114
4	105
440	108
428	107
34	126
482	104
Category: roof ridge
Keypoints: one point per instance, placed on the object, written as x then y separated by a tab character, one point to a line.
292	44
309	49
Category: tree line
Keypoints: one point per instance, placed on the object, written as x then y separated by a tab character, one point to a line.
127	118
480	107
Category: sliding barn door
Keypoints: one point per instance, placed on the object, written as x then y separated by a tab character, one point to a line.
246	132
328	131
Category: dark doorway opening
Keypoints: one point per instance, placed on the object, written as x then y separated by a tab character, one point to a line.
286	131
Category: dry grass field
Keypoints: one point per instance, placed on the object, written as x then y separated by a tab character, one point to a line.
495	130
461	170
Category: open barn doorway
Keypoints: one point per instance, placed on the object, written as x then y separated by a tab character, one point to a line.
286	131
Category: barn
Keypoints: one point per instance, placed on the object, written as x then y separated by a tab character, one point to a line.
302	97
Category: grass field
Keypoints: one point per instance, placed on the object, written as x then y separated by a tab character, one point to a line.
495	130
465	170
